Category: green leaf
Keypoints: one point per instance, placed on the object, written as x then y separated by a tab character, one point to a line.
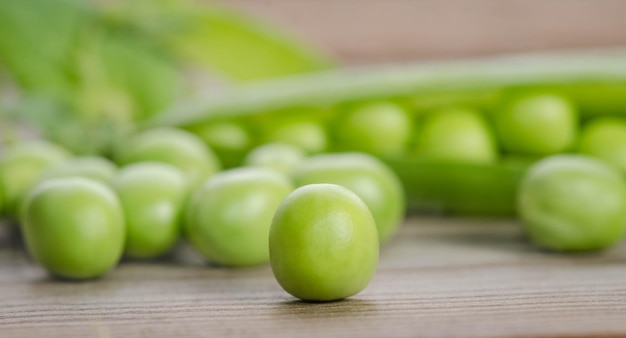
36	40
221	40
243	49
153	81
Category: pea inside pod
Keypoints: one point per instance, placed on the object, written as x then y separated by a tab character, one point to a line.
605	138
533	106
380	128
456	134
538	124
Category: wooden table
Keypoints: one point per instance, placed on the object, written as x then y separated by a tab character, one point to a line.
440	277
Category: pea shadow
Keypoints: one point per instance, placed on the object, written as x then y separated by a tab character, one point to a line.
309	310
469	233
505	241
48	278
11	235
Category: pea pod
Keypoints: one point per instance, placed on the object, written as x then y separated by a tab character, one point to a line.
595	81
459	188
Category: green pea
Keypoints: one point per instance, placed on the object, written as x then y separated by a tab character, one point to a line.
605	138
323	243
21	166
310	136
278	156
537	125
380	128
74	227
367	177
228	219
152	196
456	134
175	147
573	203
229	140
95	168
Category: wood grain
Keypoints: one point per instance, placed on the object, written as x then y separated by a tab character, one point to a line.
439	278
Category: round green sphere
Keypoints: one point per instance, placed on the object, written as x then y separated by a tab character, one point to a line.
605	138
152	196
323	243
95	168
229	140
310	136
573	203
539	124
20	168
281	157
74	227
366	176
456	134
176	147
380	128
228	218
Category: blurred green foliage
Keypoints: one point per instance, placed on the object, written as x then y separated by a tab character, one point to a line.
87	71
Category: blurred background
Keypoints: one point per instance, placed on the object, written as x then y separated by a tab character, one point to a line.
92	76
370	31
81	73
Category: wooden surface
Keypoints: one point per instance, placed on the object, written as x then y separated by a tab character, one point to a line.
438	278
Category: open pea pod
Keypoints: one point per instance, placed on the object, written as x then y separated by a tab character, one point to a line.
459	188
595	81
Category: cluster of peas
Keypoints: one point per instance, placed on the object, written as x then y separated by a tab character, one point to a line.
318	219
572	197
80	215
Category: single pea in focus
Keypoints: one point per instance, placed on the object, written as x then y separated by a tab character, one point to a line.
573	203
176	147
323	243
152	196
539	124
380	128
605	138
228	219
456	134
74	227
20	168
278	156
366	176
